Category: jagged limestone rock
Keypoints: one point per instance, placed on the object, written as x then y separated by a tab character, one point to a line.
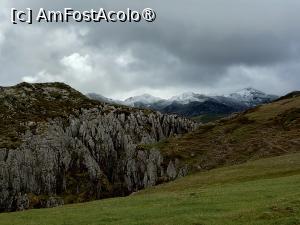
171	170
90	153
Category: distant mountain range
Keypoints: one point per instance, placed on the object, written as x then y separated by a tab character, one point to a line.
201	107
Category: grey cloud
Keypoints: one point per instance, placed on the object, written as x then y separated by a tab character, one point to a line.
206	46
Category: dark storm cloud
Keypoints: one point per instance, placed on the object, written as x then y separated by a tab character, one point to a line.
207	46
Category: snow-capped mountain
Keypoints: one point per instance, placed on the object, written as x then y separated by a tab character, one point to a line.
252	97
188	97
102	98
191	104
144	99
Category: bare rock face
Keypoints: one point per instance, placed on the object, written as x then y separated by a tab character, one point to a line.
171	170
92	153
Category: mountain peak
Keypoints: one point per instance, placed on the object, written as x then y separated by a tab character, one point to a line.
250	90
102	98
144	99
251	96
188	97
43	91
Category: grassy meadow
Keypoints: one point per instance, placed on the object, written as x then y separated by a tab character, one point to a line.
265	191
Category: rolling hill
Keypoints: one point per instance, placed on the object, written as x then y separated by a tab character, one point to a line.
265	131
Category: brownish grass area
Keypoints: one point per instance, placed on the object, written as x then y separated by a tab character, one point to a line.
268	130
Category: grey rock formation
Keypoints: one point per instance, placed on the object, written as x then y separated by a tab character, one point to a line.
171	170
93	154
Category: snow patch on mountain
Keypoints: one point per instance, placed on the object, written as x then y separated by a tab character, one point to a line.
145	99
240	100
252	97
188	97
102	98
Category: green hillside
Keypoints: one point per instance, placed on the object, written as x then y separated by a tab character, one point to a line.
265	131
265	191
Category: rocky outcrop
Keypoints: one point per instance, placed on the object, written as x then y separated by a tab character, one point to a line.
91	154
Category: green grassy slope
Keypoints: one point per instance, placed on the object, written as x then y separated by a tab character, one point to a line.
208	118
265	191
265	131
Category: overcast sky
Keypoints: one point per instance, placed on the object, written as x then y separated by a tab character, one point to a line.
205	46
